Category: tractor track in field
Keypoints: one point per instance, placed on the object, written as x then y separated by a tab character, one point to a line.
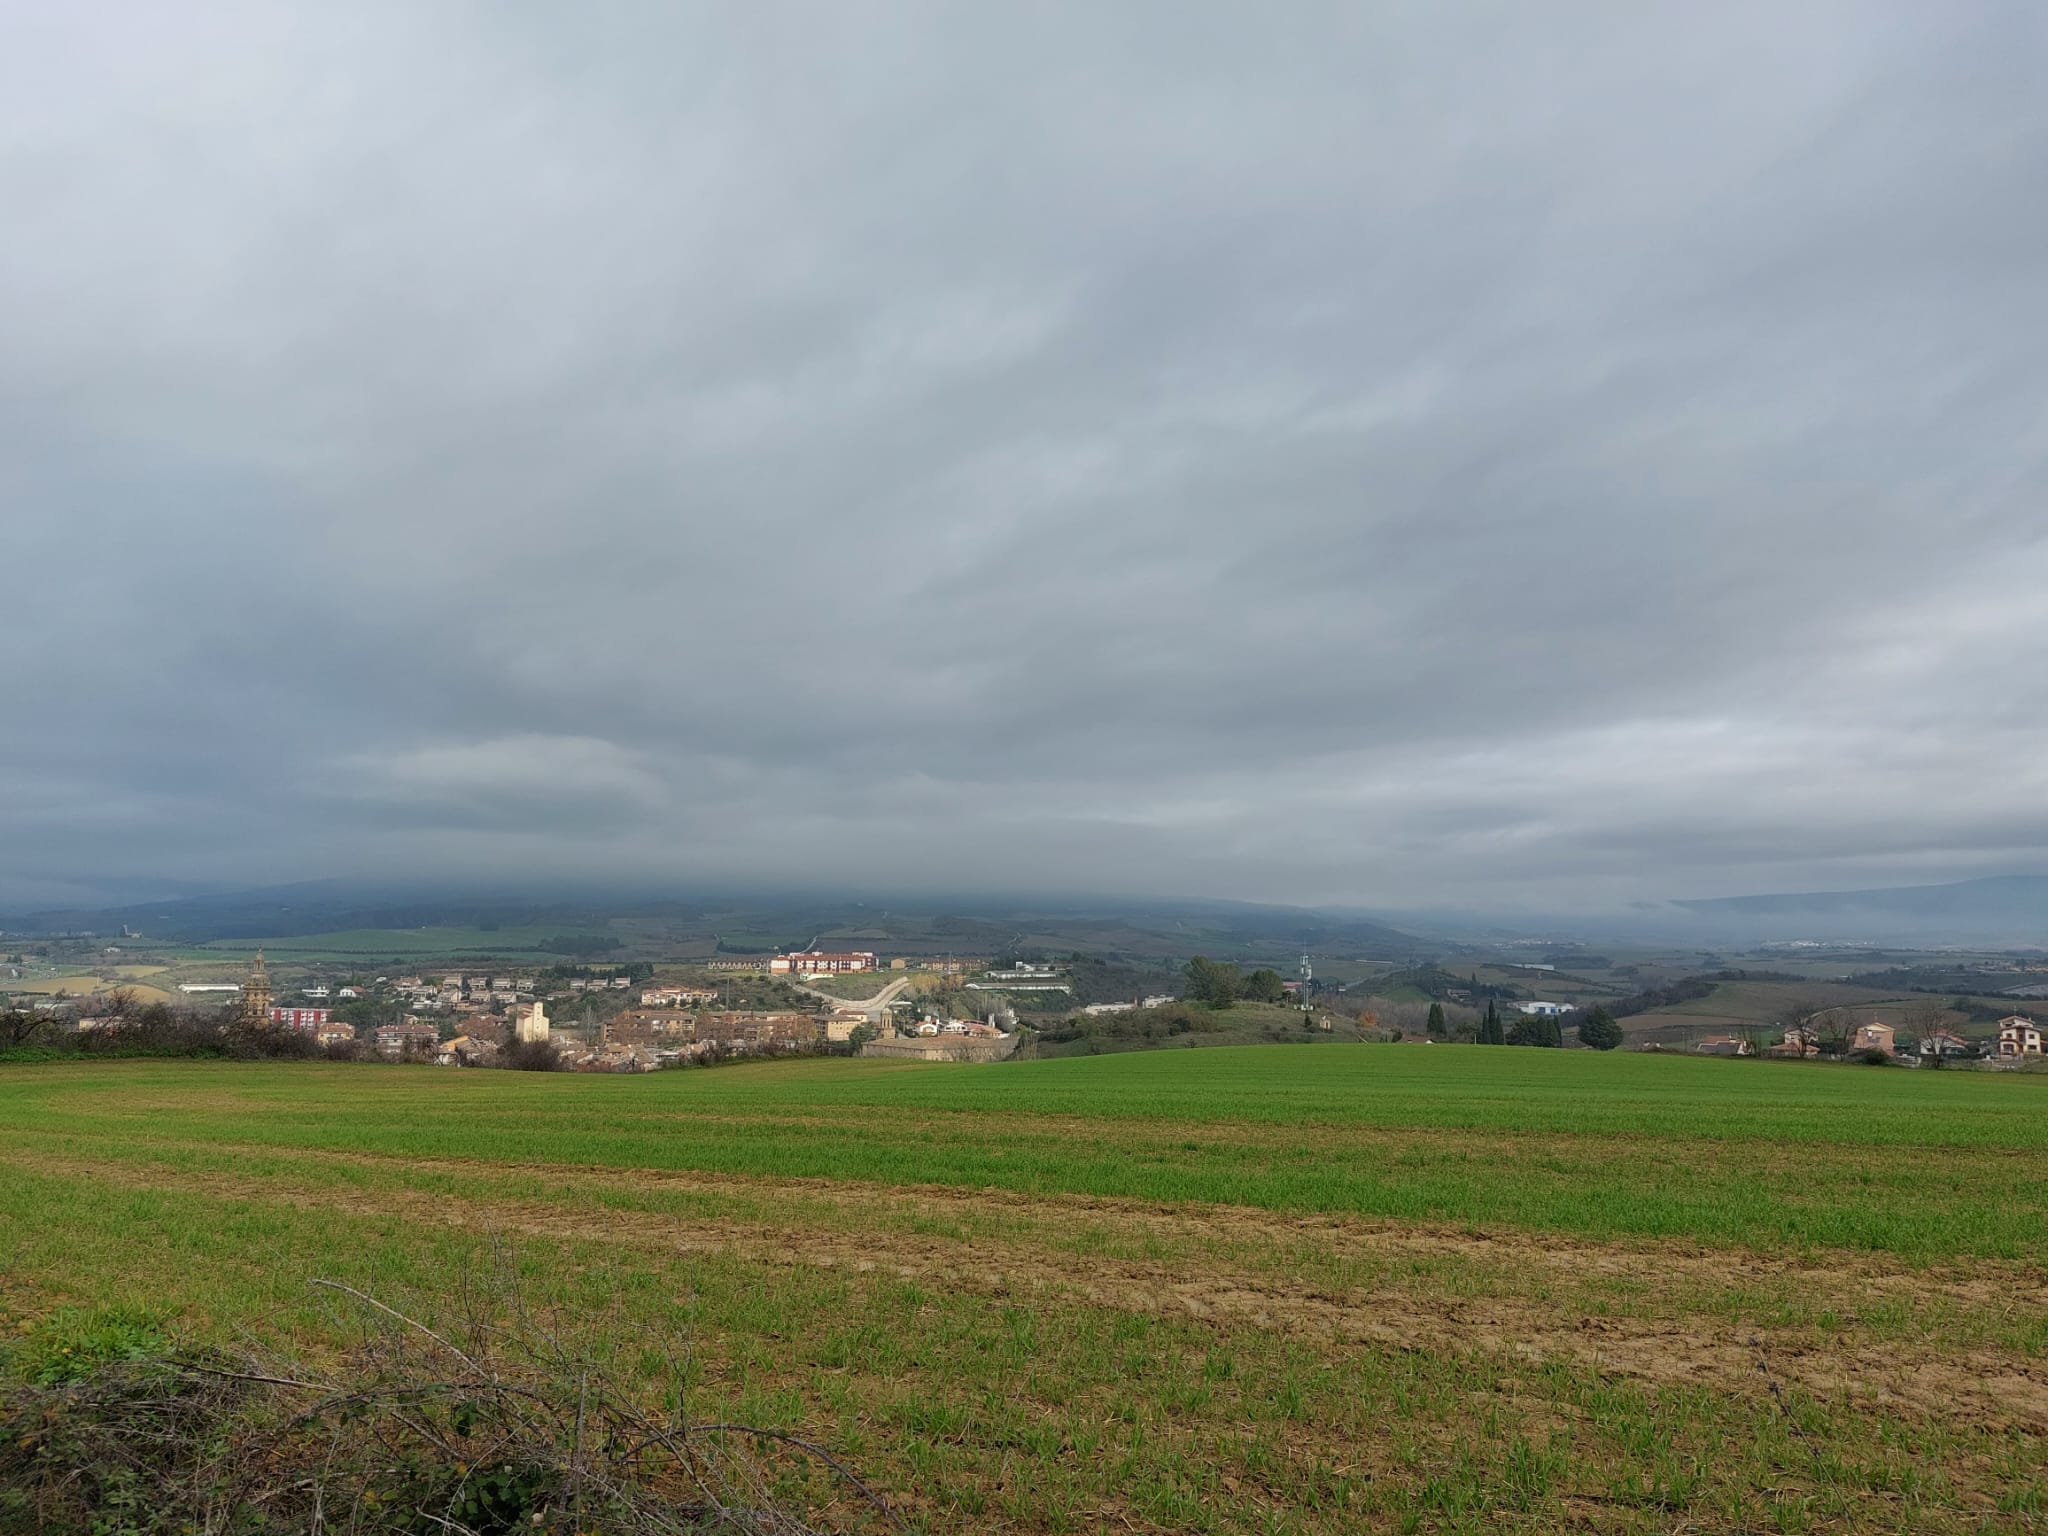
1229	1266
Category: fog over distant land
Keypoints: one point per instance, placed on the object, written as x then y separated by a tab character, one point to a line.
1499	455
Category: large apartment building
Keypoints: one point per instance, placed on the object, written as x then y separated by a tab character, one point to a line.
815	962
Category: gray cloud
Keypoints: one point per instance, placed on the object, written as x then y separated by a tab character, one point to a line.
1486	454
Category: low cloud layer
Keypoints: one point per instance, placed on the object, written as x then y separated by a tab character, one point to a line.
1452	455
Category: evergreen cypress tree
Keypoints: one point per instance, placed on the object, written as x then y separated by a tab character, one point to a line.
1435	1026
1489	1028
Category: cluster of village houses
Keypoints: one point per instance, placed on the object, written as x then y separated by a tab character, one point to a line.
2019	1041
679	1023
673	1024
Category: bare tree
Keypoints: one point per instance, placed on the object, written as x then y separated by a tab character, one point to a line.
18	1026
1833	1030
1925	1021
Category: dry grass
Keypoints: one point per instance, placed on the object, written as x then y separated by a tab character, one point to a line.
83	984
493	1418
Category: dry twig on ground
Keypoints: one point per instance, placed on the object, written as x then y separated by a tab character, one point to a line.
464	1426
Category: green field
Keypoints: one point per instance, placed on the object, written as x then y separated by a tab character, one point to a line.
1322	1289
391	945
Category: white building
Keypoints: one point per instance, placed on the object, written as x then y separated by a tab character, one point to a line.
2018	1036
814	962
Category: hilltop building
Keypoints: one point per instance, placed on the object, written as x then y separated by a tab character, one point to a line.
814	962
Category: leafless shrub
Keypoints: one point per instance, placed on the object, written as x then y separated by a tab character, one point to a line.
129	1028
531	1056
19	1027
474	1425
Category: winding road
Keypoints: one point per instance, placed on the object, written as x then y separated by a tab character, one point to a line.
873	1007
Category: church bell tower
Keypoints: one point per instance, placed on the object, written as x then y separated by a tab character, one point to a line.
255	1006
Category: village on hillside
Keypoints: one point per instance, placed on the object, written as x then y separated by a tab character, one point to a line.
615	1018
593	1002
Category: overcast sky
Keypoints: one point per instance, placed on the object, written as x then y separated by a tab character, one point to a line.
1395	454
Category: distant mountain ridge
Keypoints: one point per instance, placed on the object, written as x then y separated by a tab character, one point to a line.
1992	909
1157	928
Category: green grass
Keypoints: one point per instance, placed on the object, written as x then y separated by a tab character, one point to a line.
1940	1164
999	1340
990	1413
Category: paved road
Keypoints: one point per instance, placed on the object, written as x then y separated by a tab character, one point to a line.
873	1007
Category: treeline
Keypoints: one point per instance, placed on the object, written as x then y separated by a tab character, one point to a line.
581	944
152	1029
1690	989
1956	981
634	970
1440	985
1217	985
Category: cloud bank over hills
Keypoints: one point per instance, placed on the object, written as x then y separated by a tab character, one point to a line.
1355	456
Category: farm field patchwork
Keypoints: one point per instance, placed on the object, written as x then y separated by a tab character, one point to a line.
438	945
83	983
1315	1289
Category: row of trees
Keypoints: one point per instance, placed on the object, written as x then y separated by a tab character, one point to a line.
1597	1029
151	1029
